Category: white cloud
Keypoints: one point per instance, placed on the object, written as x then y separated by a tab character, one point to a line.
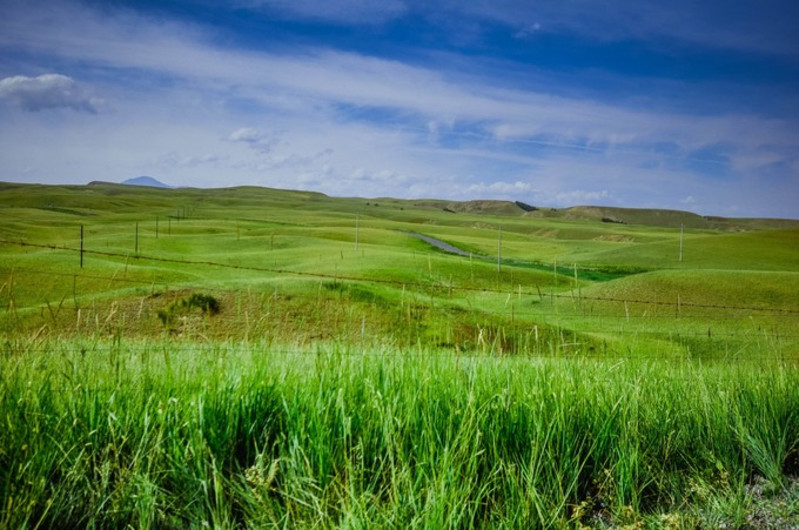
263	143
48	91
582	196
500	189
528	31
174	160
245	134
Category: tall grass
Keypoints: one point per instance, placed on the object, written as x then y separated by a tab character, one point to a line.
158	435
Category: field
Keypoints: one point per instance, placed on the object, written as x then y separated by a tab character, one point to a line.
247	357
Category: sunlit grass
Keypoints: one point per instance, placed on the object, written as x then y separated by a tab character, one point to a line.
175	434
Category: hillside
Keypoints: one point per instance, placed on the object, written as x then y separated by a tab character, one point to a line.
671	218
324	268
43	196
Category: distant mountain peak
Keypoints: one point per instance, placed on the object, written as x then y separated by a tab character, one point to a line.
145	181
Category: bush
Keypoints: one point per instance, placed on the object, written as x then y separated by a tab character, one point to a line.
206	303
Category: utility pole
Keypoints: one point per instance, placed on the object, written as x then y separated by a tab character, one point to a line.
682	230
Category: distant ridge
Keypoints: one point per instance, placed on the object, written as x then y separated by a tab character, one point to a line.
145	181
610	215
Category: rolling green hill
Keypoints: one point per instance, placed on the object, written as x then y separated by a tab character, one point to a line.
275	257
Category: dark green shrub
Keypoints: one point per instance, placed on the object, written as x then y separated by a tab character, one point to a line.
206	303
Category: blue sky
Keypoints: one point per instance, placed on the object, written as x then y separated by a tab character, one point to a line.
683	104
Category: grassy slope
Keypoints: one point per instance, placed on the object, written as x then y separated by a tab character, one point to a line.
421	294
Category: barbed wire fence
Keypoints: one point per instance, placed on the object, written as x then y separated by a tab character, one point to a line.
397	283
607	322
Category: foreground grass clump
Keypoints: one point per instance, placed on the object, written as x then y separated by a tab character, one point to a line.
248	435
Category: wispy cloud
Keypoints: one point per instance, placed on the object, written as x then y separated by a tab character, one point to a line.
324	80
254	139
582	196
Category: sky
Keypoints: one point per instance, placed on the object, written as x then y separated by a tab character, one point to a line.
648	104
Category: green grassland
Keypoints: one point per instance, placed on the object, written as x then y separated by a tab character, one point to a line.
283	262
352	375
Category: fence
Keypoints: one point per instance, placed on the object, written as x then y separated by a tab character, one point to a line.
579	306
344	278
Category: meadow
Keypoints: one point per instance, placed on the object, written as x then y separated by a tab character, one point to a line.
253	358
